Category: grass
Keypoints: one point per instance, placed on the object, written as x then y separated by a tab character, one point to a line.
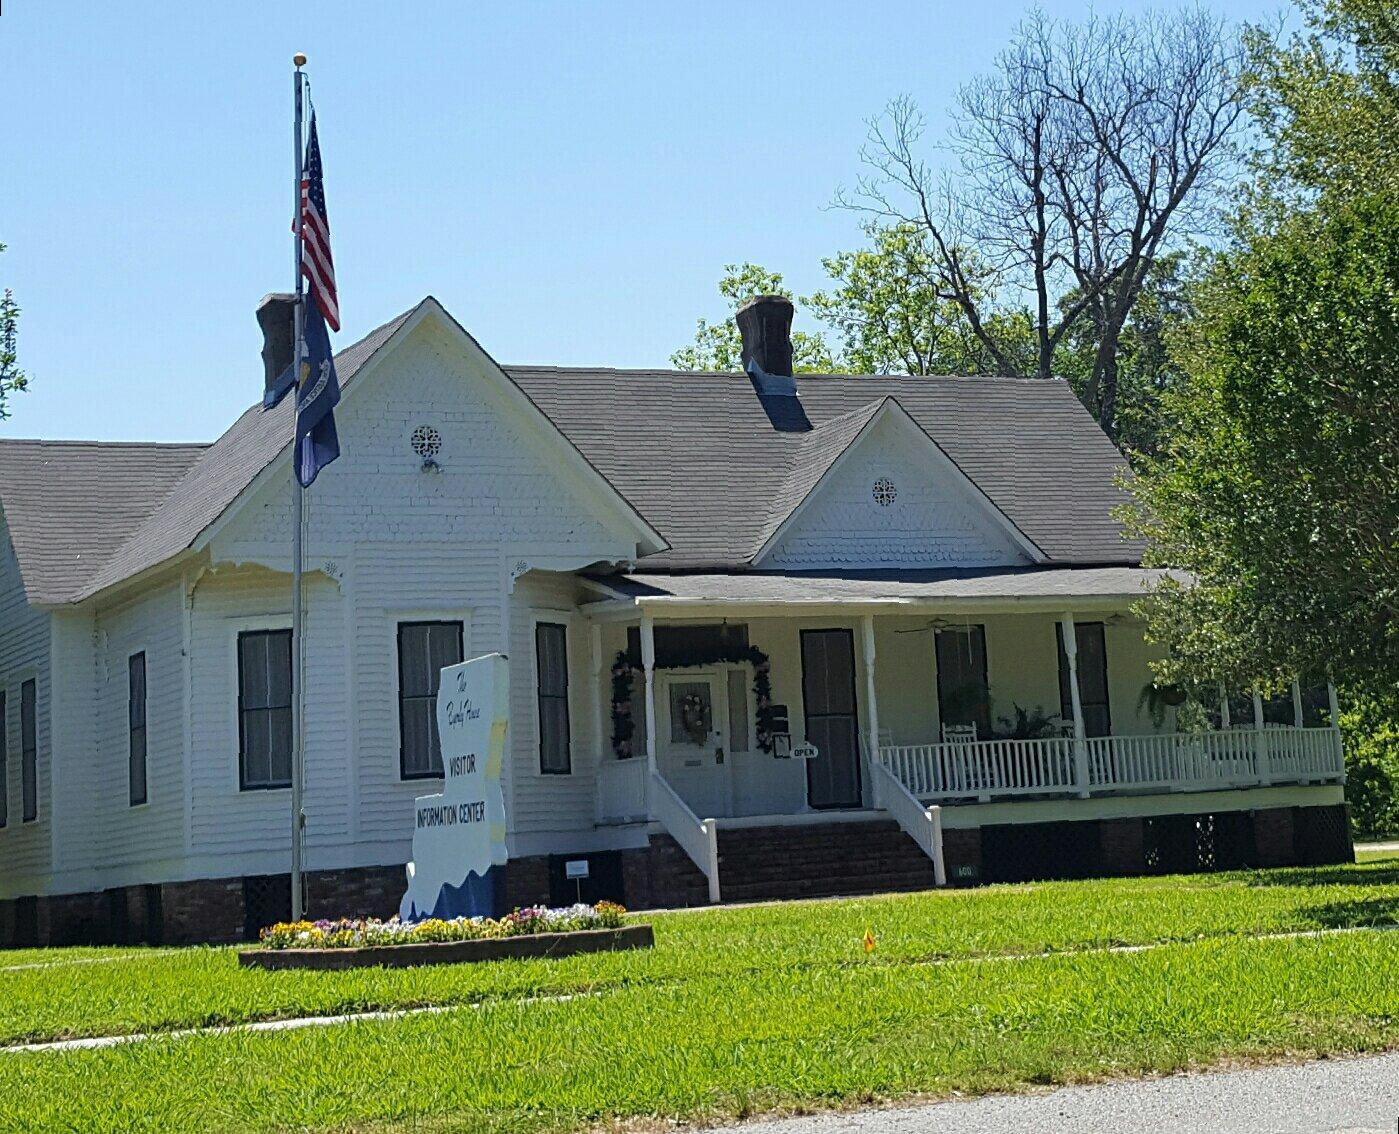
735	1011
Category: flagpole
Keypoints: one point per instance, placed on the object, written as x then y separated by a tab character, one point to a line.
298	683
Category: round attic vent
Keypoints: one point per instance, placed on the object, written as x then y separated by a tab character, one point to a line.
426	441
884	492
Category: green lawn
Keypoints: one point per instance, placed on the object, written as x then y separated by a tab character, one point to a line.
735	1010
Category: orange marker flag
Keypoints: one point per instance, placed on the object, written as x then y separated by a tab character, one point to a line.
869	940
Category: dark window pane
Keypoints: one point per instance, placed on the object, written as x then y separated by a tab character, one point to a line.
963	696
424	650
1092	664
136	718
551	679
265	697
29	749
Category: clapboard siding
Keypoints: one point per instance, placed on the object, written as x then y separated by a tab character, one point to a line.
25	848
388	542
550	802
226	821
122	835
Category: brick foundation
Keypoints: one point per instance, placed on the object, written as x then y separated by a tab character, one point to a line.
1121	846
1273	836
527	882
368	891
661	875
961	854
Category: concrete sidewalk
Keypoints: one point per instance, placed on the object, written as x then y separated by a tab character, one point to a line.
1337	1096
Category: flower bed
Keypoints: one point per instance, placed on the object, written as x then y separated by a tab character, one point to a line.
535	931
357	933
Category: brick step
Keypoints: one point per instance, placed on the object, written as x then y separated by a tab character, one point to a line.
810	888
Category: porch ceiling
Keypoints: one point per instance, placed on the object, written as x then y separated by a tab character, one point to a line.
1055	588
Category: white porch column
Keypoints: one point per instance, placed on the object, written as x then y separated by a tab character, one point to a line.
1296	703
1260	741
1225	722
871	704
1070	636
648	665
602	695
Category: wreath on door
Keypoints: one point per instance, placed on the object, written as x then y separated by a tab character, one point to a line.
625	672
694	719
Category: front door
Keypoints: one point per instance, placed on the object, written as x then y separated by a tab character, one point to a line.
691	707
828	697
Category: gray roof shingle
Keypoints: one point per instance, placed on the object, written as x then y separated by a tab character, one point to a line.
693	452
696	454
70	504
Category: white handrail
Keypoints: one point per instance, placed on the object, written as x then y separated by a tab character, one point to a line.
697	838
1243	757
920	823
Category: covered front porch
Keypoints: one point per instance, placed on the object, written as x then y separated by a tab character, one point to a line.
748	701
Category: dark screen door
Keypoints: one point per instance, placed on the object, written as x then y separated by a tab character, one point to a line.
828	696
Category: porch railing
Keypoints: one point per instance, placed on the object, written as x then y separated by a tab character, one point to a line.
923	824
1165	761
698	838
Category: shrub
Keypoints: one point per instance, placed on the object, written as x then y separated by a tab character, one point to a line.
1371	729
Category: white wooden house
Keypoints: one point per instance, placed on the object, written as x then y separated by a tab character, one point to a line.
767	636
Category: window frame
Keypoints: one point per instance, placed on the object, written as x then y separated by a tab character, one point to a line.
399	621
247	631
145	799
561	621
29	757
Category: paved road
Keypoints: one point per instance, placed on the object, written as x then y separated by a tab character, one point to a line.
1343	1096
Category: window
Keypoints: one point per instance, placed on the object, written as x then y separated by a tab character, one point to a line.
264	709
136	728
551	661
4	761
29	750
424	650
1092	667
698	644
963	695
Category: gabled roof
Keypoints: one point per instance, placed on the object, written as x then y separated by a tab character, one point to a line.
690	458
695	452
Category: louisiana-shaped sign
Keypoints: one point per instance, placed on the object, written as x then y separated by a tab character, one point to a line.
459	836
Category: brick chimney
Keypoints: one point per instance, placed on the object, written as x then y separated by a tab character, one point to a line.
276	315
765	322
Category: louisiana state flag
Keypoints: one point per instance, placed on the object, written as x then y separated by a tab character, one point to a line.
317	395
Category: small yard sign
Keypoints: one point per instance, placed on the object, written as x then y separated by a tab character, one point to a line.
459	836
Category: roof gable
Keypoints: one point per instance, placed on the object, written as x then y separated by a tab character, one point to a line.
891	498
697	455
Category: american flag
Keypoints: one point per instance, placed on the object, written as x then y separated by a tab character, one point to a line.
316	263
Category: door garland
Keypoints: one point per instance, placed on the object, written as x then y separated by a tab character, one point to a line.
625	672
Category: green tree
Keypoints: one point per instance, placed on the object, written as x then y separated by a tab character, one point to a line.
885	308
1278	488
718	346
12	378
1145	368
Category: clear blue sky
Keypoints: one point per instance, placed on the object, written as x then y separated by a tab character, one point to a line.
568	178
